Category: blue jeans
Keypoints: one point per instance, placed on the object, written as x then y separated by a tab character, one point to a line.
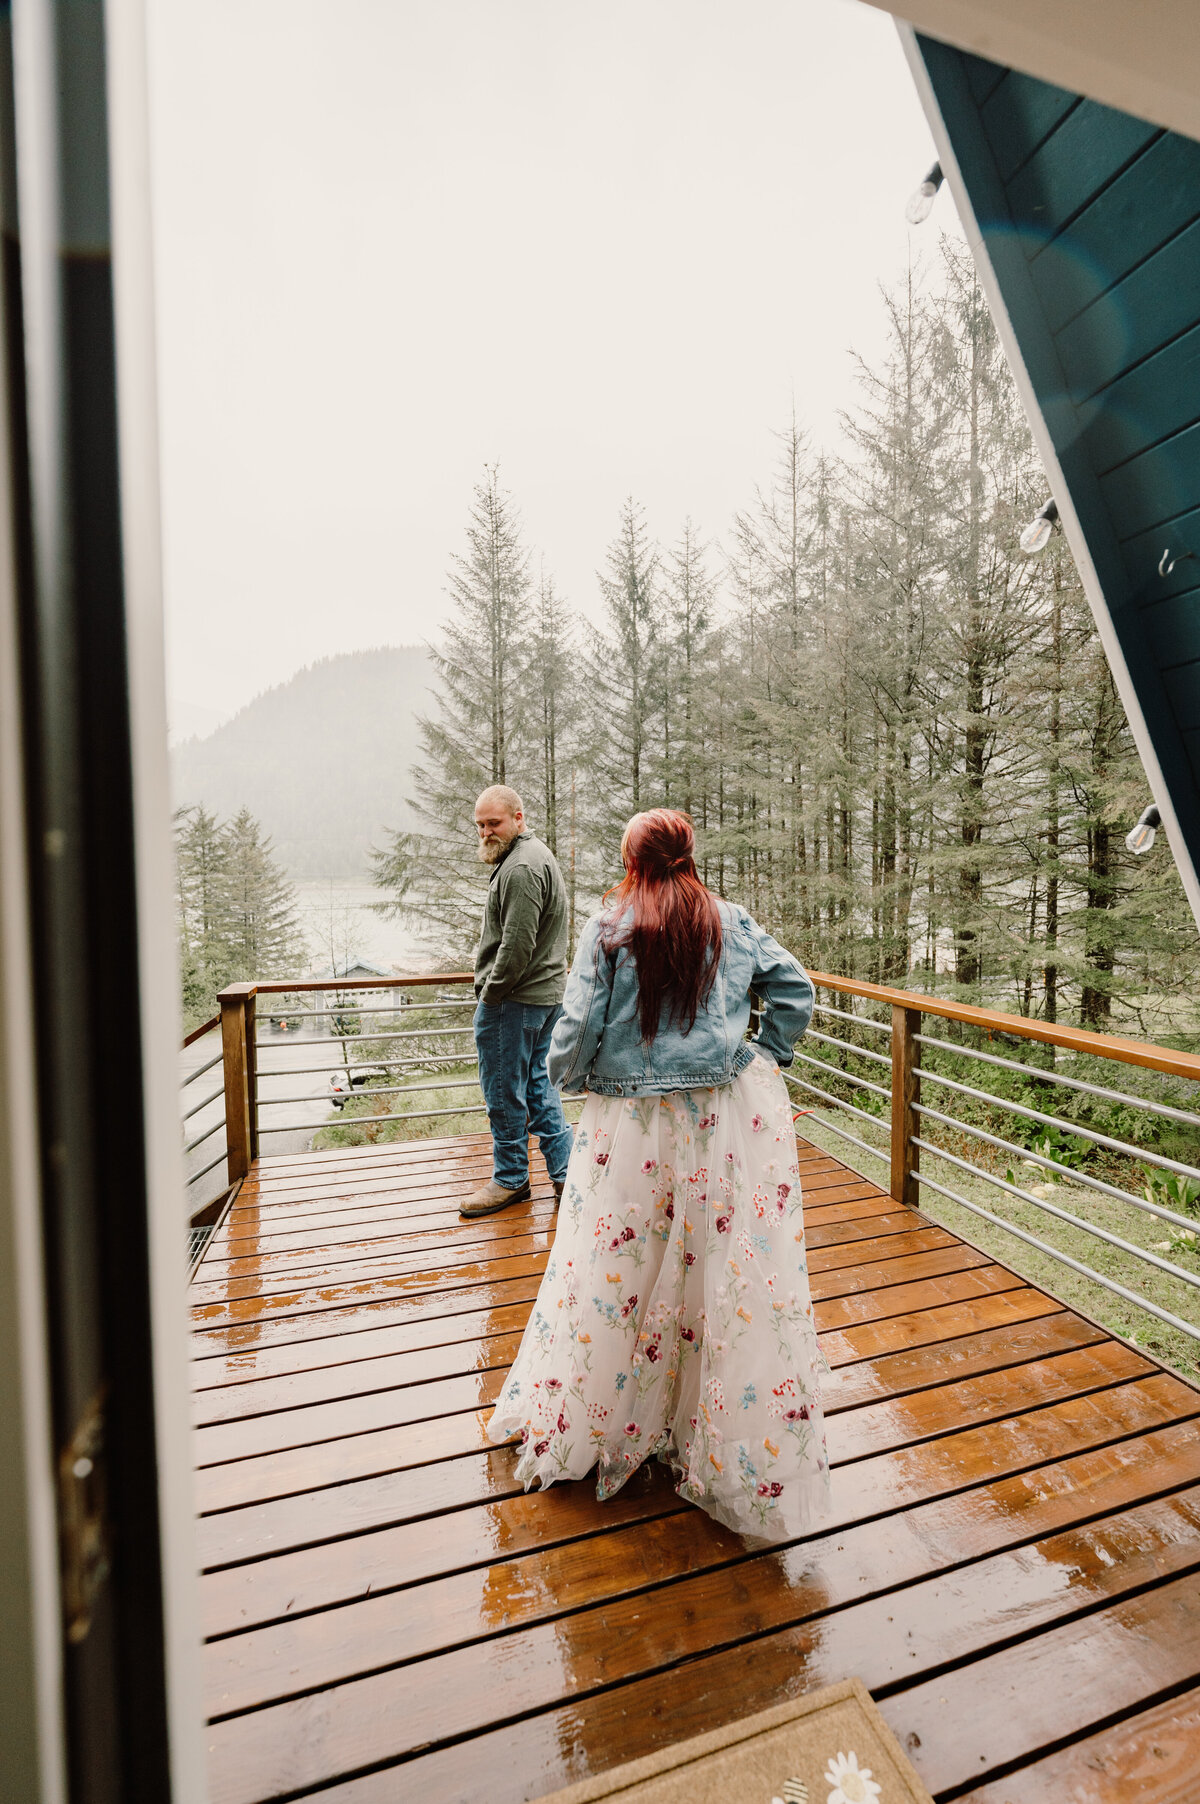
512	1039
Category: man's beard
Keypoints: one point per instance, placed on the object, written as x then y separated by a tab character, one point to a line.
491	851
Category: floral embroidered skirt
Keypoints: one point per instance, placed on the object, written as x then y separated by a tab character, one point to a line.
674	1317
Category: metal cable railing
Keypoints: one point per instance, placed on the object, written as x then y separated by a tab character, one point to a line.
358	1063
1080	1154
839	1074
200	1197
1112	1164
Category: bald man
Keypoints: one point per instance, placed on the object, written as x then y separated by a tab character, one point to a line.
520	976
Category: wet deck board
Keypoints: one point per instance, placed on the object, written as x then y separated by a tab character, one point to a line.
1016	1517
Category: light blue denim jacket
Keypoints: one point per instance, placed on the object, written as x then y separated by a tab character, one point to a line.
598	1045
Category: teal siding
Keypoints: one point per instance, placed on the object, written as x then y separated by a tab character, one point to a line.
1092	223
1118	231
1091	145
1135	317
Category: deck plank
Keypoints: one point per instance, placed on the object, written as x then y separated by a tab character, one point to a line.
847	1385
473	1687
963	1525
389	1614
1152	1757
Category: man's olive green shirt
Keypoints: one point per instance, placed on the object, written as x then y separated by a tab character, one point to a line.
522	954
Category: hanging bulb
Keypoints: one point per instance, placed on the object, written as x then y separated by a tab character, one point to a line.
1037	534
920	204
1142	837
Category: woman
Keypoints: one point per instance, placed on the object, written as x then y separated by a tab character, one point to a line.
674	1317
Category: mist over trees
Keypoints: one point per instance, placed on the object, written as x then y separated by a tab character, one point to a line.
898	736
322	760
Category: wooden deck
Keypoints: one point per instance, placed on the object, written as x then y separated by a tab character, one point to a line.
1012	1564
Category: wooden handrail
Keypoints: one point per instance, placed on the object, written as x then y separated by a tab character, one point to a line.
198	1033
1073	1039
238	1024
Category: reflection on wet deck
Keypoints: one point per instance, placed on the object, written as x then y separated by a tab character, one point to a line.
1012	1564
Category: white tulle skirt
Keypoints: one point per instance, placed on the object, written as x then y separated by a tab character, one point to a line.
674	1318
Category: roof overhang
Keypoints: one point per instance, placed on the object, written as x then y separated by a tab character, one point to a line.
1142	56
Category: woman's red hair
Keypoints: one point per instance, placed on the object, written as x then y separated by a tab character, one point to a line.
667	919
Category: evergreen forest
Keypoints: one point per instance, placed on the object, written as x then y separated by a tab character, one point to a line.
235	909
898	735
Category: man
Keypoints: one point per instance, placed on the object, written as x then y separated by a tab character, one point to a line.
520	976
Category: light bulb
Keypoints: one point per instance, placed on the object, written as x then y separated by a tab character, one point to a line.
1037	534
920	204
1142	837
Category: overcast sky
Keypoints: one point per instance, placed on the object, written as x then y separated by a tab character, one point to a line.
601	245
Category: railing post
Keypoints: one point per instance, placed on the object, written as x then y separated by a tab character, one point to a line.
906	1091
238	1057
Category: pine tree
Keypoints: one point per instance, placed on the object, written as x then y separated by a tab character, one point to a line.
200	878
481	730
260	930
552	691
898	737
689	591
236	909
625	680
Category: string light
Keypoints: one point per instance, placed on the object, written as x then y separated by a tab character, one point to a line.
1037	534
920	204
1142	837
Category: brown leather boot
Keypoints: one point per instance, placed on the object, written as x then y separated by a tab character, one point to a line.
492	1196
558	1190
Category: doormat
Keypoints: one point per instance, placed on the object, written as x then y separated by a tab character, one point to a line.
831	1747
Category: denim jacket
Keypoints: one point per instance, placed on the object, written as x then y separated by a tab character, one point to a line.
598	1045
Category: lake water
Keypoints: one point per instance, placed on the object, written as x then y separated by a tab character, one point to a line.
341	928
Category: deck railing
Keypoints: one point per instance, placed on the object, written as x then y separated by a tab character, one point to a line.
991	1124
1023	1124
201	1122
347	1029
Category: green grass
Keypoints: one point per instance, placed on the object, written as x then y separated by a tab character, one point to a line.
360	1123
1170	1345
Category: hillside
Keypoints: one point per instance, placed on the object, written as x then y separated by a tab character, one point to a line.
322	760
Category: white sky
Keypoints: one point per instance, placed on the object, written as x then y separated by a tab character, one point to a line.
603	245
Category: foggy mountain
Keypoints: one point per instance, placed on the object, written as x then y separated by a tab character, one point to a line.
322	760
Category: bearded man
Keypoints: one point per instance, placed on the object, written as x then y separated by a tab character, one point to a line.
520	976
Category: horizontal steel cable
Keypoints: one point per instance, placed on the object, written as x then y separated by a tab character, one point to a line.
860	1052
197	1106
1060	1077
835	1100
408	1033
1121	1290
832	1127
206	1135
352	1008
860	1083
823	1008
1083	1133
434	1058
1048	1208
456	1083
301	1127
1076	1177
200	1070
204	1171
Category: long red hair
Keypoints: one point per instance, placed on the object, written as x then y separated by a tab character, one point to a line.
667	919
